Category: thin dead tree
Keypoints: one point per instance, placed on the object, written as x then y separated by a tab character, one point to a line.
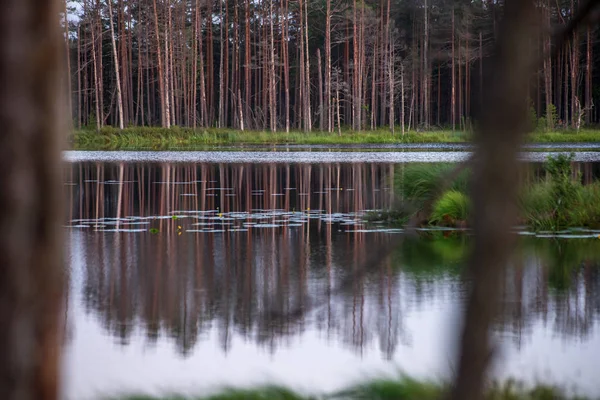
116	60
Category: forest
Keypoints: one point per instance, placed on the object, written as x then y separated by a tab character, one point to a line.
310	65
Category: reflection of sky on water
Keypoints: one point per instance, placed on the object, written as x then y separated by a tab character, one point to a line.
152	312
96	361
297	156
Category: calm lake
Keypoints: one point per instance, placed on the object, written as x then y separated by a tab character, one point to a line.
190	271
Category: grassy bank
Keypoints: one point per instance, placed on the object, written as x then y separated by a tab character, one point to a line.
405	389
176	137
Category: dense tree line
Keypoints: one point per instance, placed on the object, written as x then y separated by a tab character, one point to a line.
308	64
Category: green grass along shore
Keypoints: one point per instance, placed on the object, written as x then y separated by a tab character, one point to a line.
403	389
554	203
176	137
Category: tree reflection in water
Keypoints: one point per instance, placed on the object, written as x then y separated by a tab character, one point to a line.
263	284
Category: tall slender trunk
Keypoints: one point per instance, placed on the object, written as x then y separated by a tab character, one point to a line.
168	81
327	103
79	109
247	63
321	113
114	47
453	96
402	97
221	121
355	71
272	70
165	121
566	90
307	80
574	72
100	68
426	67
195	43
285	56
548	75
390	65
68	65
302	87
204	115
588	77
96	82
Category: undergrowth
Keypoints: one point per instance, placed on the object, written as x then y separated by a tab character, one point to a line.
558	202
382	389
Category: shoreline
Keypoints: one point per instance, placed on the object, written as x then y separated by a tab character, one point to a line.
181	138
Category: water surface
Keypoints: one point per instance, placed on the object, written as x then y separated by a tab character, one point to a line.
189	274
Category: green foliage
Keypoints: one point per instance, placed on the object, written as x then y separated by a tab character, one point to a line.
266	393
533	118
110	138
392	390
551	117
179	137
452	208
548	122
419	182
384	389
536	206
564	189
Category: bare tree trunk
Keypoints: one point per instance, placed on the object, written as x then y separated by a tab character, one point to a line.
286	65
307	76
97	87
193	113
100	69
391	89
248	62
337	102
204	117
165	121
221	123
272	72
588	77
426	68
453	99
566	90
79	109
355	72
402	97
114	46
321	113
302	121
574	72
548	75
32	273
68	59
328	111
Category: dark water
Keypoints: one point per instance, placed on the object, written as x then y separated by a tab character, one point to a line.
189	276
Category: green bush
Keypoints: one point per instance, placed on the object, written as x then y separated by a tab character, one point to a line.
451	208
419	182
537	208
564	190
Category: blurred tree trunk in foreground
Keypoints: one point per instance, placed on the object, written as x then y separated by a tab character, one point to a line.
31	273
502	125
